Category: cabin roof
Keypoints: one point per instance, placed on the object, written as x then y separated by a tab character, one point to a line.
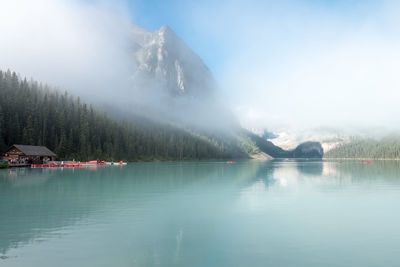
34	150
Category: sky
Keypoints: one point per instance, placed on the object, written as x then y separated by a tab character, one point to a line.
294	63
297	63
213	28
304	63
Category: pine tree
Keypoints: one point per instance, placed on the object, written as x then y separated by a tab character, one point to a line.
2	144
34	114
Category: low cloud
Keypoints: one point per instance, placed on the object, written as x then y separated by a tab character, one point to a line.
76	46
284	63
308	64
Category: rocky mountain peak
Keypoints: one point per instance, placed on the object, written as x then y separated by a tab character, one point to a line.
166	62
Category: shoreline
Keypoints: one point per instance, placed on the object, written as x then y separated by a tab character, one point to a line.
395	159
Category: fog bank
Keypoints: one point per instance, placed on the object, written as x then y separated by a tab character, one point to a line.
76	46
281	64
308	64
92	50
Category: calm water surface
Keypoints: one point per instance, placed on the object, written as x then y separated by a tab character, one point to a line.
202	214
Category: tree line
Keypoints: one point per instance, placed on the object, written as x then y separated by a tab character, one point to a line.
384	148
35	114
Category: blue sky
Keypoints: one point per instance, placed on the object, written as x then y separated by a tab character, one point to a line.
273	59
153	14
304	63
188	19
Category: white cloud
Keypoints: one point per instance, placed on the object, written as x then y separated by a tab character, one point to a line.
73	45
287	62
305	64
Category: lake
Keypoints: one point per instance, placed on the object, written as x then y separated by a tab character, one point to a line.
277	213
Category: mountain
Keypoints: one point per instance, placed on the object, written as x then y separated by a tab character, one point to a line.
173	84
167	65
303	150
309	150
33	114
175	113
167	69
289	138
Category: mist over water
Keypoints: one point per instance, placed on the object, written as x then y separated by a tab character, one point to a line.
316	68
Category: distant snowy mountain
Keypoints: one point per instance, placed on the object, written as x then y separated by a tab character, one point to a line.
166	65
290	139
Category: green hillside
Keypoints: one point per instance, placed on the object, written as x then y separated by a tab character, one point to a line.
31	113
34	114
384	148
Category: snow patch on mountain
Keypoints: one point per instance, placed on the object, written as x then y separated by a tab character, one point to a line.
289	140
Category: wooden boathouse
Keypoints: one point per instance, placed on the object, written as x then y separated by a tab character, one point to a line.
32	154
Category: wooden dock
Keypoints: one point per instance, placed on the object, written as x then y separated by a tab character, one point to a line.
19	165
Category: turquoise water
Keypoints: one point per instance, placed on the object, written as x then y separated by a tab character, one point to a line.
202	214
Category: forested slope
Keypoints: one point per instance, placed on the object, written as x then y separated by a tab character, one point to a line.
31	113
34	114
384	148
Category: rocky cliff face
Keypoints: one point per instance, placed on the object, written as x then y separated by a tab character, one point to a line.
167	65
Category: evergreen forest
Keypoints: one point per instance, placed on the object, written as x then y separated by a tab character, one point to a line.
34	114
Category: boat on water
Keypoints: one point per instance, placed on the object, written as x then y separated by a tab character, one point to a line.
88	164
120	163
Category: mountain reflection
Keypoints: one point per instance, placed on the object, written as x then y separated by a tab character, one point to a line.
160	212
